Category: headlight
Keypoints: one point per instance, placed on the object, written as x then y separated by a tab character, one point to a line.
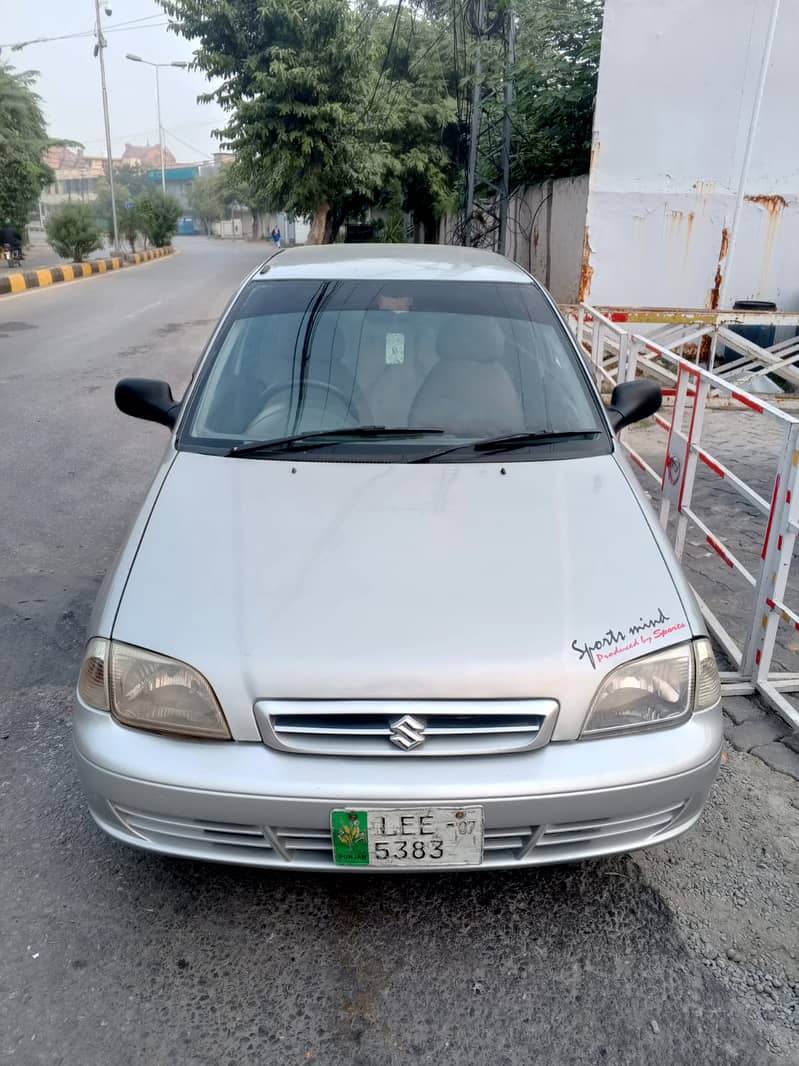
150	691
657	690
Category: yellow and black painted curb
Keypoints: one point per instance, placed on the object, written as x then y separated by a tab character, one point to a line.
39	279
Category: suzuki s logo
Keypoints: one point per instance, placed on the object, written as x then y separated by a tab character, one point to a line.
407	732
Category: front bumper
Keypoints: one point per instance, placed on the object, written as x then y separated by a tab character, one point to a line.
245	803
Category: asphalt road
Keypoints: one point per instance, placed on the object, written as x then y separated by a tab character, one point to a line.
108	956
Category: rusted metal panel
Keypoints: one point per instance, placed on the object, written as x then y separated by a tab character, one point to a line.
663	194
713	299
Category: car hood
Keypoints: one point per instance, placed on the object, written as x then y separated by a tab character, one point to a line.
367	580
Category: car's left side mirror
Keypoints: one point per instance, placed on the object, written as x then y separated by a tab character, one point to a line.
147	398
632	401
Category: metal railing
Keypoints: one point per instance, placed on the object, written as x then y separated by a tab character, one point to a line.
617	354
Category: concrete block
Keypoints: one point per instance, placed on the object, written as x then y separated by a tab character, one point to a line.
754	734
779	757
742	709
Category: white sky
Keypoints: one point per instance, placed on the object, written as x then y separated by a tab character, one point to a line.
69	81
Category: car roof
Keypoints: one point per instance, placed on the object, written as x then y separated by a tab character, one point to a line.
400	262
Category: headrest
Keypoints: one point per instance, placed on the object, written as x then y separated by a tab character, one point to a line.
471	337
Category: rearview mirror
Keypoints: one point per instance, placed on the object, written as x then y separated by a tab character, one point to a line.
633	400
147	398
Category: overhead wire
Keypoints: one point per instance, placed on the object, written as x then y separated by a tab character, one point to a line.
386	57
132	24
185	144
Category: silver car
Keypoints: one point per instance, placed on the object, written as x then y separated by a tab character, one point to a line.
394	599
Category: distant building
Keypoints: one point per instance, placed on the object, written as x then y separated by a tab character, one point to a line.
146	156
75	178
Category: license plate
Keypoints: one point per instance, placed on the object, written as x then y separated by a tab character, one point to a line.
414	836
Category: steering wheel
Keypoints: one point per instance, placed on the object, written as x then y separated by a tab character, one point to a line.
357	411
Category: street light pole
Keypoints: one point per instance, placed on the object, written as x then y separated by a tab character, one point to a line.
160	130
182	66
98	51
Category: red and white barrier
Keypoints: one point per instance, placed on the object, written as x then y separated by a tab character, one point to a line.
616	354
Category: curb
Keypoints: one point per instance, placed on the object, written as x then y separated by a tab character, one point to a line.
39	279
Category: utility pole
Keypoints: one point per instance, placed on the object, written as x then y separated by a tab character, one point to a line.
510	59
160	131
98	51
474	132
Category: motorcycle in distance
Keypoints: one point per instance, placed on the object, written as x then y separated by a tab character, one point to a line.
11	256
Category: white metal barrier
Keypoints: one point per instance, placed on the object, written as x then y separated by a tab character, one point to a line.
617	354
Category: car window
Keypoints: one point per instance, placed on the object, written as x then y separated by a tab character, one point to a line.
473	360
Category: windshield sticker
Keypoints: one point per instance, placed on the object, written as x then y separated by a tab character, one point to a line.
616	642
395	349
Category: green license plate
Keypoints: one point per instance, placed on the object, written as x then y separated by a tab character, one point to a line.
408	836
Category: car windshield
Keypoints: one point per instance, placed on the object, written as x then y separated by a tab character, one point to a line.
460	362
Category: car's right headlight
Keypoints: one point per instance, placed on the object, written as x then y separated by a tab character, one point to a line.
661	689
149	691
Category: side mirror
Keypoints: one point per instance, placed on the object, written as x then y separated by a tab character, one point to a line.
148	399
633	400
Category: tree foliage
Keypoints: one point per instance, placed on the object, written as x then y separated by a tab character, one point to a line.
556	77
130	183
158	217
338	106
293	77
207	198
23	143
72	231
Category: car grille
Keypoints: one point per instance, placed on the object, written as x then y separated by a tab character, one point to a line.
312	847
572	838
421	727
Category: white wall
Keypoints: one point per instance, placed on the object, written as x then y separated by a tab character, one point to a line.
676	87
546	229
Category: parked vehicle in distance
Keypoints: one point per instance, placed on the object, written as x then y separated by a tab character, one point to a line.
394	599
12	256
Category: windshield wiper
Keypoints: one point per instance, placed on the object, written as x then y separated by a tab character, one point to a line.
318	439
510	442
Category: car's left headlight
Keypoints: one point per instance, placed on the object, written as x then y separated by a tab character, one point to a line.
661	689
150	691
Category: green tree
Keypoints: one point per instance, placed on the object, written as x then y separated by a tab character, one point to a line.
72	231
23	143
555	81
158	218
207	199
130	184
414	114
293	75
238	189
129	223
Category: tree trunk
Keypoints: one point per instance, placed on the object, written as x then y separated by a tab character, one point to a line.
332	226
256	225
319	224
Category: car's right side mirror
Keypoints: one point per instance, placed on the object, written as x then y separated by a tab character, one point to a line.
147	398
632	401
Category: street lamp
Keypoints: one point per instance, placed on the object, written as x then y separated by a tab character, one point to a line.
157	67
98	52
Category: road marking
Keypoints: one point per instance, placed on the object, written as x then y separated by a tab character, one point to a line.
141	310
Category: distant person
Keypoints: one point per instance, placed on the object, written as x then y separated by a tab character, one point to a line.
276	238
10	235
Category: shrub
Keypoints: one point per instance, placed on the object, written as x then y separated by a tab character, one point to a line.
129	224
72	231
158	218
